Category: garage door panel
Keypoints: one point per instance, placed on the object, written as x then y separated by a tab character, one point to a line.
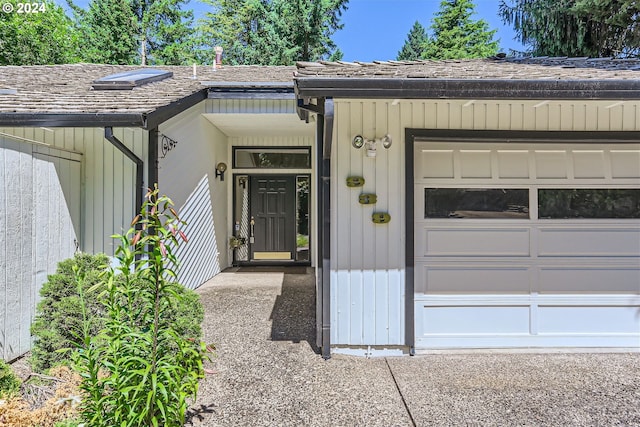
625	163
473	242
588	164
588	242
591	279
473	279
513	164
470	320
591	320
436	163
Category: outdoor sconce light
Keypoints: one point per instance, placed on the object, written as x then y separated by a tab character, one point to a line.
220	170
359	141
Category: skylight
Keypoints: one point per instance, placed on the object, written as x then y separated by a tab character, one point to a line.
129	79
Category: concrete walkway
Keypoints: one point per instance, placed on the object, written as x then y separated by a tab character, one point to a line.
269	374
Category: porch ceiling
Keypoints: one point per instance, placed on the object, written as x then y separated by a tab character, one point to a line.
261	124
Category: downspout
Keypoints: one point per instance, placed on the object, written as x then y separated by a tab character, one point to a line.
109	136
324	110
325	184
152	158
324	137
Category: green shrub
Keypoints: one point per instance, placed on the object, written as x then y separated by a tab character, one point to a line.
9	383
146	361
59	322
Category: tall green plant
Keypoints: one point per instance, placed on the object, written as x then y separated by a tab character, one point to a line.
139	371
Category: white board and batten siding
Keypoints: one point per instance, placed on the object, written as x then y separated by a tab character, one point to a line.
61	189
368	261
108	178
39	226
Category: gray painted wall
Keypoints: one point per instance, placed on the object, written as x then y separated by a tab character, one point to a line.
39	226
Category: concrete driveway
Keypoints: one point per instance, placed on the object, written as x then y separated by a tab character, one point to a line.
269	374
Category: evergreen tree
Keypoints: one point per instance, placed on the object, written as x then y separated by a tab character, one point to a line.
165	32
109	32
271	32
309	25
414	46
575	27
456	35
136	32
43	37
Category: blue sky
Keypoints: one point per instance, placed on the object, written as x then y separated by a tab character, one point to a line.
377	29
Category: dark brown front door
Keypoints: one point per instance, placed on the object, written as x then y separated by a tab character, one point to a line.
273	218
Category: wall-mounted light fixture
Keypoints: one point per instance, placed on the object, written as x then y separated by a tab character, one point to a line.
359	141
220	170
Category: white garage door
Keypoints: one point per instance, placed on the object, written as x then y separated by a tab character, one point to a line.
527	245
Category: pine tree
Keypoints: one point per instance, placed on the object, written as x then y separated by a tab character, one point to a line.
575	27
165	32
456	35
415	44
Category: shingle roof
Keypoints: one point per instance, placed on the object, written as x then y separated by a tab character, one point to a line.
494	78
67	88
541	68
43	95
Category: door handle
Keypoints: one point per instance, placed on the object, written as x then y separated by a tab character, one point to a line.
251	235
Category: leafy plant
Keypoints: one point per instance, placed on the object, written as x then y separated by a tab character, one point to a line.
9	383
59	319
139	370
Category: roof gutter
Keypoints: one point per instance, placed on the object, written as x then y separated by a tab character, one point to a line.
44	119
428	88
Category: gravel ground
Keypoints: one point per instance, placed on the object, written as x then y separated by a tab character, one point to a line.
268	373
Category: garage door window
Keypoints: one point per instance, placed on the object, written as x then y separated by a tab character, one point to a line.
476	203
588	203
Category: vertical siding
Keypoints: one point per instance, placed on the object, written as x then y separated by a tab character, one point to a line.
250	106
367	277
39	216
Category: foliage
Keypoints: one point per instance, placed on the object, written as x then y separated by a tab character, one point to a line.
414	45
593	28
140	369
58	318
45	37
109	32
9	383
165	32
456	35
136	31
272	32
